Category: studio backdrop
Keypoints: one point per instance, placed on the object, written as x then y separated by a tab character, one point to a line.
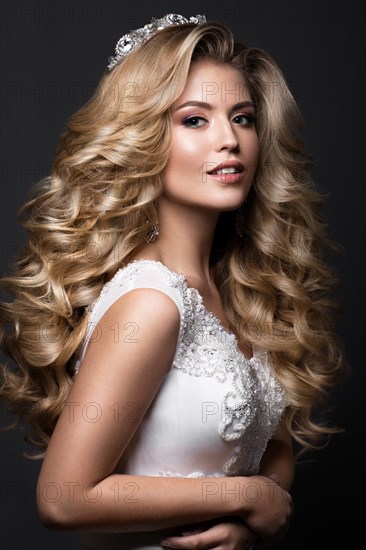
53	53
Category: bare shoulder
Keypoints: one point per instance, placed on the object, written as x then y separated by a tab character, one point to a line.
146	301
148	308
139	321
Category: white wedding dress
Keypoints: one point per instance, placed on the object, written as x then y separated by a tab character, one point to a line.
214	412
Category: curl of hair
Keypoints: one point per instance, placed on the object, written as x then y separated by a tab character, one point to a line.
88	217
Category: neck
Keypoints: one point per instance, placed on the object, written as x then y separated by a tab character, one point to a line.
185	239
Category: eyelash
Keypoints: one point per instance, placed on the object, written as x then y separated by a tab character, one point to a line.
251	120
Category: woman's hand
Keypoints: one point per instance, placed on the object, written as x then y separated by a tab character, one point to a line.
226	535
270	508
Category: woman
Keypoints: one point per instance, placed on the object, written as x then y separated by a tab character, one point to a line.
182	326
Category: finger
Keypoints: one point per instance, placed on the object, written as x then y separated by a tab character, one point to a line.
213	538
194	532
274	477
188	542
195	539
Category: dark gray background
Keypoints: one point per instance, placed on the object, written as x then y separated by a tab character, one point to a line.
52	55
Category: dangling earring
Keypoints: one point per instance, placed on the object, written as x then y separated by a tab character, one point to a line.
239	223
152	233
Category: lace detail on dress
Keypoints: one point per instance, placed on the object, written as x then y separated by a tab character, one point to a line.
207	348
259	403
254	405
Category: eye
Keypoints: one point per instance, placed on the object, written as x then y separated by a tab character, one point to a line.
192	122
247	119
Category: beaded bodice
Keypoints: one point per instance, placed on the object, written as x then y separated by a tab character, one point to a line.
214	399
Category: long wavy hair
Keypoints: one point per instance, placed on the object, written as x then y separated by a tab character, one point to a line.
86	219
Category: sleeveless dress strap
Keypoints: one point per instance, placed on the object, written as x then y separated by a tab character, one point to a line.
137	274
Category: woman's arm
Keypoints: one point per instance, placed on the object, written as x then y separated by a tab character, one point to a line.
278	461
77	488
278	457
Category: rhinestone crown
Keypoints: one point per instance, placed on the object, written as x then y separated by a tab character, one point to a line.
134	39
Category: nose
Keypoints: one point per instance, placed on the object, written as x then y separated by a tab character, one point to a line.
226	137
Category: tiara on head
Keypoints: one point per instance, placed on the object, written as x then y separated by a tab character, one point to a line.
134	39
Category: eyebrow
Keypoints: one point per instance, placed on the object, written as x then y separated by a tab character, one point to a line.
208	106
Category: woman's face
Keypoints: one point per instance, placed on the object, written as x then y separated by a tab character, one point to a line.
218	127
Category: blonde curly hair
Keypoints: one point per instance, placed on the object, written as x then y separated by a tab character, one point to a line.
87	218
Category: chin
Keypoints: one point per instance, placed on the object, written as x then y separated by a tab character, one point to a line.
231	199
